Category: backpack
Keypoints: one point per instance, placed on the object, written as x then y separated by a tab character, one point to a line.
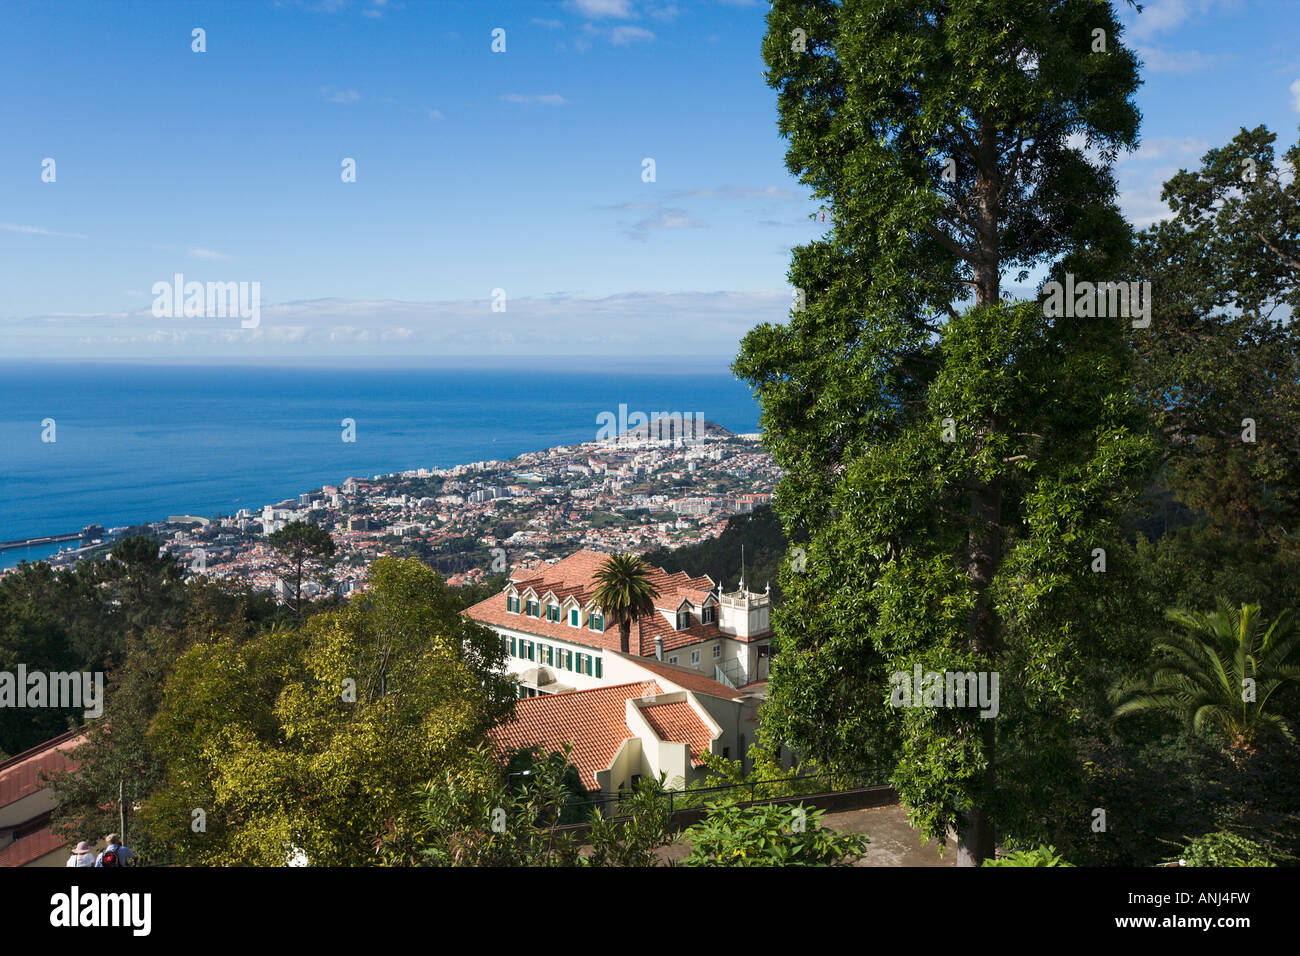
110	857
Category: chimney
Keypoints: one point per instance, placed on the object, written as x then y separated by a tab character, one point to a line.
659	647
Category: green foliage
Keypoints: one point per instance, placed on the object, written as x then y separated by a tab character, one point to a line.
481	815
321	738
967	554
760	534
1224	848
1042	856
636	839
1220	675
769	835
1218	350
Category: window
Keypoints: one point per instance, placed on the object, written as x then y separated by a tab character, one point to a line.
695	658
568	660
550	654
534	609
673	659
553	613
717	651
514	650
683	619
709	614
512	604
574	617
596	622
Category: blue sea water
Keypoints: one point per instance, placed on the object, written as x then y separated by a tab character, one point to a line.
139	443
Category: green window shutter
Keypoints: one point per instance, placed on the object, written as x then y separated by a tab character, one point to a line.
513	651
598	668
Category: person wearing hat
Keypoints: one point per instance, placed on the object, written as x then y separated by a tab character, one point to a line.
82	855
121	855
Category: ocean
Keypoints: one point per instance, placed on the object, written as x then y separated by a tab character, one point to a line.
140	443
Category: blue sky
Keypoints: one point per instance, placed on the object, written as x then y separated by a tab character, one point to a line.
475	170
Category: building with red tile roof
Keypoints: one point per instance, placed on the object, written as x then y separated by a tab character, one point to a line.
557	638
618	733
26	803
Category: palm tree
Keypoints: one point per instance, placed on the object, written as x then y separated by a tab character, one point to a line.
1219	674
625	593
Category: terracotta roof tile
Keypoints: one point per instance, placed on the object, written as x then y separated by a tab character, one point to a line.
678	722
594	722
31	847
20	774
574	576
690	680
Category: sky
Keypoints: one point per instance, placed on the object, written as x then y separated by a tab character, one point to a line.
476	171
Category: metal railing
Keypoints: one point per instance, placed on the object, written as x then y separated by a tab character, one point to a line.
696	797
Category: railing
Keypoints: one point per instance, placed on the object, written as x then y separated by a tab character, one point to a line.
733	672
754	790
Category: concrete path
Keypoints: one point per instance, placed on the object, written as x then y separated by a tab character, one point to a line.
893	841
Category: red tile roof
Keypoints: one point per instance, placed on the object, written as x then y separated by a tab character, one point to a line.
31	847
594	722
689	680
20	774
679	723
574	576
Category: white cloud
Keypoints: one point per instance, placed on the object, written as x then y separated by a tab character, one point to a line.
663	218
201	253
345	96
436	115
1176	61
631	323
548	24
736	192
602	8
38	231
548	99
622	36
1295	92
1164	16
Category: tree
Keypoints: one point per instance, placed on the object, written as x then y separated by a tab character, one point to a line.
1220	675
300	541
1220	370
643	830
118	766
624	593
948	472
322	738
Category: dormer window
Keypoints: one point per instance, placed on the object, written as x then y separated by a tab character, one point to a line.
708	614
512	604
553	613
596	622
575	617
533	609
683	618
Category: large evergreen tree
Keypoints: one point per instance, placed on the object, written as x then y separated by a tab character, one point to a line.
952	459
